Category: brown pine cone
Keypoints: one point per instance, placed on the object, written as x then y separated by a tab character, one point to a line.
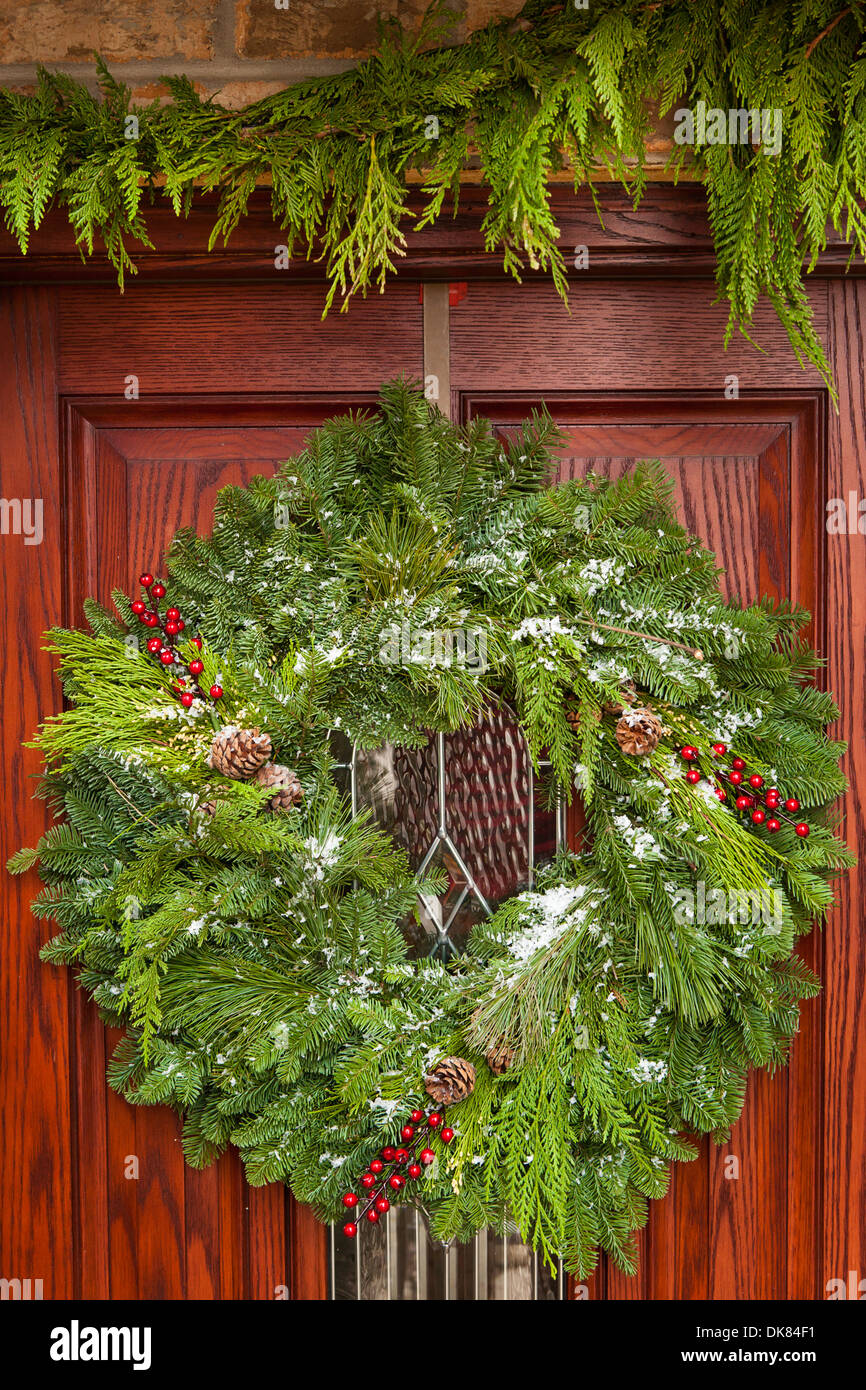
499	1058
627	696
638	732
572	715
239	753
287	788
451	1080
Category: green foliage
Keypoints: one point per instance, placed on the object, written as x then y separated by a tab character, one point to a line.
558	87
258	961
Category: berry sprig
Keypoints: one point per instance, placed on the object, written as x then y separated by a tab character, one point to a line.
728	781
171	627
384	1174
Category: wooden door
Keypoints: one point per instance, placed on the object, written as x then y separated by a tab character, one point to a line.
111	1210
749	481
230	376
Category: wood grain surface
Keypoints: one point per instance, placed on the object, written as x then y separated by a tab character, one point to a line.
231	375
741	1221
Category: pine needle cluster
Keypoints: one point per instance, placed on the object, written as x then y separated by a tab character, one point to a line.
560	87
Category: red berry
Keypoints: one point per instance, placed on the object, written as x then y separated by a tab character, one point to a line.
735	777
756	781
167	657
138	607
743	803
350	1199
196	641
720	793
802	829
771	801
187	698
434	1120
693	775
383	1205
689	753
368	1181
719	750
373	1215
180	624
395	1182
792	804
350	1229
196	667
216	692
172	629
401	1155
407	1132
376	1166
145	580
389	1153
414	1170
446	1134
172	613
427	1156
759	816
773	824
158	590
738	764
154	645
416	1117
773	792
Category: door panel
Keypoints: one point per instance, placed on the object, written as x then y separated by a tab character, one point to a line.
230	377
132	478
752	488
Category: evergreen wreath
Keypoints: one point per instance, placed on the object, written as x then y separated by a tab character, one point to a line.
559	87
225	908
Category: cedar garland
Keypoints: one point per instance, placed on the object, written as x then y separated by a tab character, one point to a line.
557	88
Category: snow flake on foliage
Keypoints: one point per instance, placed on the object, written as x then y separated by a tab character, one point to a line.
601	574
541	628
647	1072
638	839
388	1108
323	854
554	911
729	723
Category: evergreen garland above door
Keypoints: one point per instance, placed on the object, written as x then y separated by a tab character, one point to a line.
770	113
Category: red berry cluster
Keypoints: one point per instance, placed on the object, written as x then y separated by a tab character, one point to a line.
729	781
413	1157
171	627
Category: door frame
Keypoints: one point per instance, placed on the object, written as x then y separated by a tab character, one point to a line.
668	237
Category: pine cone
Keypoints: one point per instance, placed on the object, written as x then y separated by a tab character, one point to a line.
451	1080
239	753
627	696
572	716
285	784
499	1058
639	731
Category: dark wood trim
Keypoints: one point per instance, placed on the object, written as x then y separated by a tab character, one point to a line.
667	235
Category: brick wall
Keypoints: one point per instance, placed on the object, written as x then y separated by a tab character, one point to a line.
237	50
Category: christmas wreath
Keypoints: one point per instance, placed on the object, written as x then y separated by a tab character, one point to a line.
227	909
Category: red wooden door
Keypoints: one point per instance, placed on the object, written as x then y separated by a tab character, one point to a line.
132	479
230	376
749	481
111	1210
